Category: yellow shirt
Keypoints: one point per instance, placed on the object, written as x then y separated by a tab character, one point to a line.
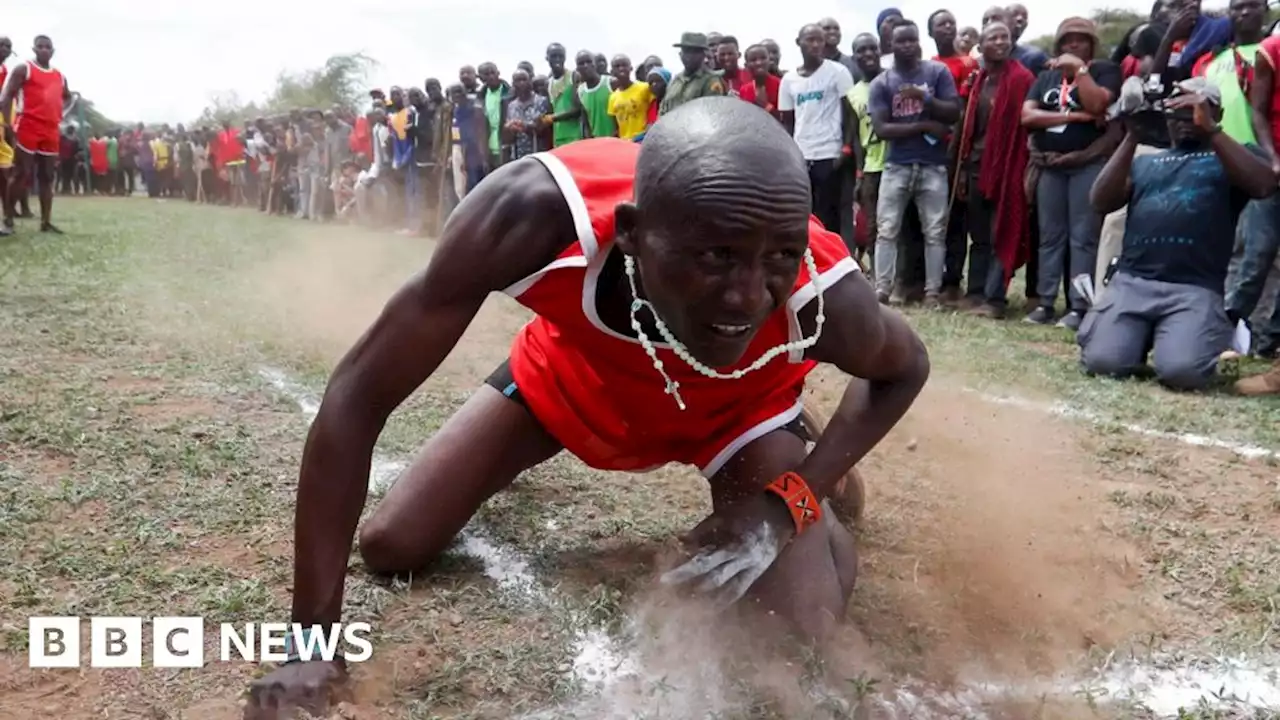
161	151
630	108
399	122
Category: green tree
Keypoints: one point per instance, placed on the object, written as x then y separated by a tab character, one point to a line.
340	81
226	106
1112	25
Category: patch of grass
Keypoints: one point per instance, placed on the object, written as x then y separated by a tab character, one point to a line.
999	356
146	468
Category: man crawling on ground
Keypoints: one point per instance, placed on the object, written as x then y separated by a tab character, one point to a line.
682	293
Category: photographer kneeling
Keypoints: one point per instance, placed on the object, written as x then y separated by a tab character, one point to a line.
1165	294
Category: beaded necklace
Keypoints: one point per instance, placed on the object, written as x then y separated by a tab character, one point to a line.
682	352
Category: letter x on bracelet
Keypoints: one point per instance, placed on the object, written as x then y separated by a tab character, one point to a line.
801	502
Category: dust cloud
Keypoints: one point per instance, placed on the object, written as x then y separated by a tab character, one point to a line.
315	290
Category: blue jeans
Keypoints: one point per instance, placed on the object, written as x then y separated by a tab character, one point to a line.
1260	234
412	196
901	185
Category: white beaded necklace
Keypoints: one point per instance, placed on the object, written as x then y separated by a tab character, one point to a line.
673	387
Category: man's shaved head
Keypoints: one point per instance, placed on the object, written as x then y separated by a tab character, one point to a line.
711	141
719	224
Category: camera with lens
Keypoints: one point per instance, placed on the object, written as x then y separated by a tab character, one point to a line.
1151	96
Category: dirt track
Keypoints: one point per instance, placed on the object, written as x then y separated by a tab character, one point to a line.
1002	545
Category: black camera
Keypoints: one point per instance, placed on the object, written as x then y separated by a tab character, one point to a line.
1151	96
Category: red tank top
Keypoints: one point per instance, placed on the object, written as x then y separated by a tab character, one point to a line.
1271	51
595	389
42	95
98	156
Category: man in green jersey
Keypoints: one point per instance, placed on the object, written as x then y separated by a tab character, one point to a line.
566	119
593	98
113	163
868	148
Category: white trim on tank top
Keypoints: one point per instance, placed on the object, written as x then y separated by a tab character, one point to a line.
805	295
594	261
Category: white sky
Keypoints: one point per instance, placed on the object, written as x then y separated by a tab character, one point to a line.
160	60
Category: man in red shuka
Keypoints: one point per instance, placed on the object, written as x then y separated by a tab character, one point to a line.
682	292
35	133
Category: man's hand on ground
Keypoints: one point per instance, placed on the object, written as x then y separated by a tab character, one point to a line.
734	547
302	685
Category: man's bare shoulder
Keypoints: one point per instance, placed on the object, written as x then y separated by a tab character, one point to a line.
513	224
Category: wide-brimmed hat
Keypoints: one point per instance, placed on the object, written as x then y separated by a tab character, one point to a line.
1077	26
693	41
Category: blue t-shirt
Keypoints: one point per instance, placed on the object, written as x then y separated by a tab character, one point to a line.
466	133
886	96
1182	218
1031	58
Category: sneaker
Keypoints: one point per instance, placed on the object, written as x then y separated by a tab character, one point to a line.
883	298
932	302
1071	320
897	298
1268	383
987	310
1041	316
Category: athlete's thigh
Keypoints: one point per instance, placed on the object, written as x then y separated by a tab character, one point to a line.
478	452
803	585
46	167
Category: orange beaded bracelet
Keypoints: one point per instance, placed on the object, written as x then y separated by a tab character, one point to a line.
801	502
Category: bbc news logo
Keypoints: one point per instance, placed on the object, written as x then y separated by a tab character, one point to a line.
178	642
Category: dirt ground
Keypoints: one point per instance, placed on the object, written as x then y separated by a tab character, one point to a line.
146	468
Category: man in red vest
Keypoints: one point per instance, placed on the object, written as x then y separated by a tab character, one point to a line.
35	133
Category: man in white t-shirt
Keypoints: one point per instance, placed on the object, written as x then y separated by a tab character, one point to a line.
816	112
371	192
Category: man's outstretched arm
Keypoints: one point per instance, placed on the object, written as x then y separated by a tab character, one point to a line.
511	226
872	343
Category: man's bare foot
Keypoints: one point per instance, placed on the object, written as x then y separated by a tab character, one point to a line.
50	228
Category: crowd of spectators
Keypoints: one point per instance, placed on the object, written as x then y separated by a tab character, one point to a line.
1134	184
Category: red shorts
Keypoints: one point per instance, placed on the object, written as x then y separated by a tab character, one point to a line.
35	137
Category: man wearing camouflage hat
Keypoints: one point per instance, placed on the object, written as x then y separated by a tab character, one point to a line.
696	80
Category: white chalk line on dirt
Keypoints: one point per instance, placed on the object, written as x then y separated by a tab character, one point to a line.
595	661
601	663
1072	412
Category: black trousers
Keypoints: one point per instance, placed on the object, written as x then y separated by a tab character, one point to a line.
825	186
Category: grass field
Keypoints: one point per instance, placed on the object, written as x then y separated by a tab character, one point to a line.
1038	544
